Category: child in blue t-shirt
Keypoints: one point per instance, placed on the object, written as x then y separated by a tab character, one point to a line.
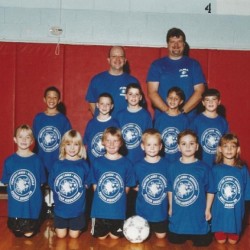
68	179
24	174
152	183
92	138
172	122
191	195
49	127
210	125
111	176
233	189
133	121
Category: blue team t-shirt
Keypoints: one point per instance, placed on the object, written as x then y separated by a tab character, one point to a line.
133	124
24	177
68	181
189	184
93	137
184	73
232	190
114	85
170	127
111	178
151	201
48	132
209	131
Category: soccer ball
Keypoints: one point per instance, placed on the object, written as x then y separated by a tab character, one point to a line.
136	229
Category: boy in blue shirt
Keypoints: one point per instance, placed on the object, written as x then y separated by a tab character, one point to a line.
152	179
210	125
111	175
172	122
133	121
191	195
92	138
49	127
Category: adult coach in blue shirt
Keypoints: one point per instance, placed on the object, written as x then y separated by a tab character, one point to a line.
178	70
113	81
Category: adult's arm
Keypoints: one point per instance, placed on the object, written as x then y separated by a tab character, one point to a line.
155	98
195	98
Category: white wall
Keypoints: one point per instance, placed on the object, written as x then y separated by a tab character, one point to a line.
127	22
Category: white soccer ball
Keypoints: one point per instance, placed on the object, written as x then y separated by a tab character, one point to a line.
136	229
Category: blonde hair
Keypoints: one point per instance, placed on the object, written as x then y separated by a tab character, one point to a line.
72	136
151	132
24	127
225	139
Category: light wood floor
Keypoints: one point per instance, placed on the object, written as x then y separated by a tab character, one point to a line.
46	239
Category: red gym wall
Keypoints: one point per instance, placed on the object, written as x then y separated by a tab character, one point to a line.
27	69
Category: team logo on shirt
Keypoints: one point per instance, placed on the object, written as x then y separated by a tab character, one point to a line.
183	72
154	188
169	137
97	149
110	187
122	90
186	190
229	191
22	185
68	187
132	135
49	138
210	139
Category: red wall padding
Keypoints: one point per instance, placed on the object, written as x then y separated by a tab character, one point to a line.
27	69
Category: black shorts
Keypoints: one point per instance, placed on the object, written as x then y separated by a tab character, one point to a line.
158	227
197	239
77	223
23	225
102	227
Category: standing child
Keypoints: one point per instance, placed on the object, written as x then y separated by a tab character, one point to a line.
133	121
24	174
49	127
209	125
112	175
68	179
95	127
172	122
233	188
152	179
191	195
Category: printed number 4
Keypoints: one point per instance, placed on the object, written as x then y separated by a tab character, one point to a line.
208	8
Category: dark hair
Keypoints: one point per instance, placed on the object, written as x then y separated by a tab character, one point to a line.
105	94
187	132
179	92
211	92
175	32
52	88
134	86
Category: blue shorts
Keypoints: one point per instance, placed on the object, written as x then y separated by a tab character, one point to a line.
76	223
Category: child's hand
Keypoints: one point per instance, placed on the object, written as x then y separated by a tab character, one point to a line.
170	212
208	215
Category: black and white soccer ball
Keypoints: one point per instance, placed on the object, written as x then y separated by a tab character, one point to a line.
136	229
